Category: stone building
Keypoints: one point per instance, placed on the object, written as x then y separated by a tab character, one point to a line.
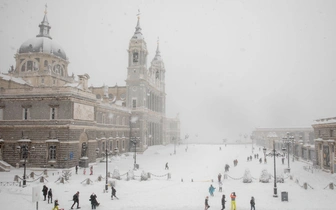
325	137
51	119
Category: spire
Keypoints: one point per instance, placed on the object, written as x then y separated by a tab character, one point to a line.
157	55
137	33
44	26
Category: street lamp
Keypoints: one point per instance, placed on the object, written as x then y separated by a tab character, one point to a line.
288	140
134	141
24	151
106	159
252	143
174	139
274	154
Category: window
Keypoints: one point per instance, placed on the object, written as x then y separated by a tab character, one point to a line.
123	144
42	80
52	152
103	119
117	144
134	103
45	63
53	112
25	113
54	81
1	113
117	122
331	132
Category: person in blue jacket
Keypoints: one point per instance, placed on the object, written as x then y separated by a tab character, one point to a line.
211	190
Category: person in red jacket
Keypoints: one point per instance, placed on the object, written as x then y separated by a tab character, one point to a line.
233	201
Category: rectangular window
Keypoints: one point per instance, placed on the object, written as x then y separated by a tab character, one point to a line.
25	113
331	132
42	80
52	153
53	111
134	103
1	113
117	144
123	144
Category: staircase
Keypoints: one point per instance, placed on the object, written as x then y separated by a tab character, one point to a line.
4	167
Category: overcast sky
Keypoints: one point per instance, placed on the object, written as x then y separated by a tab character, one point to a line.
231	66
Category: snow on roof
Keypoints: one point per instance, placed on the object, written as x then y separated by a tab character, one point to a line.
324	121
14	79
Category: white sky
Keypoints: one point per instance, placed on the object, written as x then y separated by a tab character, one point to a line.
231	65
202	163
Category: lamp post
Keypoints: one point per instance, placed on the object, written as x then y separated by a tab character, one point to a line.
134	141
24	151
106	159
174	139
288	140
252	143
274	154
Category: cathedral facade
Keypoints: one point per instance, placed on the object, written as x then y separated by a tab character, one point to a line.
49	118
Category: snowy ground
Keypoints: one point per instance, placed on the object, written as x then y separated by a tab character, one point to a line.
201	163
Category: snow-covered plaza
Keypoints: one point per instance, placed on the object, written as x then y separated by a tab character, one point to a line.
191	173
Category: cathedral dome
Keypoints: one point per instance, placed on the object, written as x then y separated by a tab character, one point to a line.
42	44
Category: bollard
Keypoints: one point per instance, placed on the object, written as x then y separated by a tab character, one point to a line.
331	185
149	175
88	181
181	180
305	185
42	179
192	180
16	178
62	180
99	178
168	176
291	177
32	175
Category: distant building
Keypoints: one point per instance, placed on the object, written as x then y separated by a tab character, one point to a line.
325	139
62	122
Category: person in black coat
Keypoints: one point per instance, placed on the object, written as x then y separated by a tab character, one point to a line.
94	202
206	203
75	199
252	202
50	195
223	202
114	192
45	191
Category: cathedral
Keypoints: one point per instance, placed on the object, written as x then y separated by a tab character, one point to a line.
49	118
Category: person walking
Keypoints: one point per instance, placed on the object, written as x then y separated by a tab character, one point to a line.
219	177
56	206
114	192
91	170
76	168
75	199
45	192
252	202
50	195
233	201
167	167
223	202
94	202
211	190
206	203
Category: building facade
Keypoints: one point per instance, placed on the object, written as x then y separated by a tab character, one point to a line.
51	119
325	139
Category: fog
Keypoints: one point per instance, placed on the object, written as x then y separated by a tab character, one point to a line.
231	66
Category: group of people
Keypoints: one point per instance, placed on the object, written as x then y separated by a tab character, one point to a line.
233	202
47	193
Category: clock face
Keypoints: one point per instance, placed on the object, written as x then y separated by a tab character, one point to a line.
135	57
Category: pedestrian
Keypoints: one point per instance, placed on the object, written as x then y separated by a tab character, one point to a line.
223	202
50	195
56	206
45	192
219	177
233	201
91	170
94	202
260	160
167	167
84	171
220	186
76	169
75	199
206	203
114	193
252	202
211	190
